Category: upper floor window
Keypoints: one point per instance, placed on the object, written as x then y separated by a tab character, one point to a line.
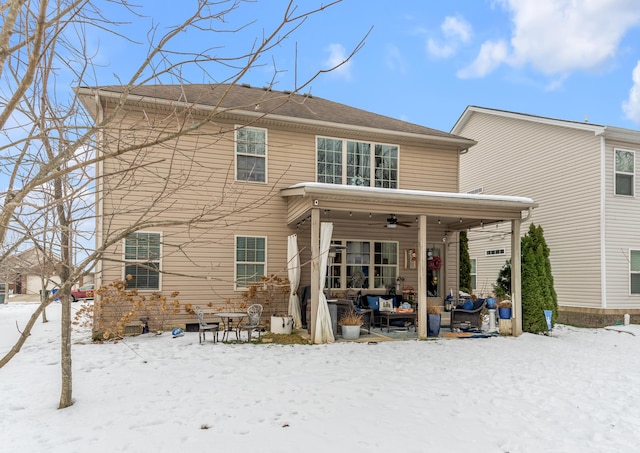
142	260
357	163
251	154
634	269
625	172
251	260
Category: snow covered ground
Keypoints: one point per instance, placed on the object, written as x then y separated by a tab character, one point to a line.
576	391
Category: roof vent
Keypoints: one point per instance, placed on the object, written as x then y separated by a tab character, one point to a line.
246	85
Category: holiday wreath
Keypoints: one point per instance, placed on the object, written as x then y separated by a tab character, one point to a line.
435	263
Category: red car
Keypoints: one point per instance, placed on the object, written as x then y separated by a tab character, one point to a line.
84	292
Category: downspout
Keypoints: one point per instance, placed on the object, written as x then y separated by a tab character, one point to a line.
527	217
99	190
603	238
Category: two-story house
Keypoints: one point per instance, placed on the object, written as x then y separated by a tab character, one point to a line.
261	165
583	176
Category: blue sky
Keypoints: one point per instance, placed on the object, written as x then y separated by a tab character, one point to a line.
425	61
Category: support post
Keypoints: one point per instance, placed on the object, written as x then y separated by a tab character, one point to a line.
315	268
516	278
422	277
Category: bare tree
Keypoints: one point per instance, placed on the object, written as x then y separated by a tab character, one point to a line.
49	141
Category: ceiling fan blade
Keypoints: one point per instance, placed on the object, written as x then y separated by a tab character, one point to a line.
405	224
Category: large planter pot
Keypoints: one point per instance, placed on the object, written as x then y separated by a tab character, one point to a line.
281	324
433	325
504	313
350	332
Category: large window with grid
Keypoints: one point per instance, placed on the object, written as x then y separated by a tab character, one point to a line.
634	269
142	252
474	273
251	260
363	264
356	163
625	172
251	154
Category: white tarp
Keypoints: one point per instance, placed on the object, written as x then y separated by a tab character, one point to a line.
324	329
293	266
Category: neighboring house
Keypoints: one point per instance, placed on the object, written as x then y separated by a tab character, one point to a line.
270	164
24	272
583	176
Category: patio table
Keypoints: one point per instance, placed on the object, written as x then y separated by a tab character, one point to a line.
231	321
388	316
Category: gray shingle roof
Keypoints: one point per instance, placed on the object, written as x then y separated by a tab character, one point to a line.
244	97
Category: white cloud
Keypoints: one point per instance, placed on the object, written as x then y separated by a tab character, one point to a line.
455	31
492	54
456	28
631	106
337	56
437	49
557	37
394	59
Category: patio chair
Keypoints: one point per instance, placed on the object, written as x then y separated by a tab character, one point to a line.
473	315
254	311
203	326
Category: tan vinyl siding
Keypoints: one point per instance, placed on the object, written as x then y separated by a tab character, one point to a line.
198	171
622	221
559	168
429	169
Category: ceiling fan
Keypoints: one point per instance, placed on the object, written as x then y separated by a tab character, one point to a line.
392	222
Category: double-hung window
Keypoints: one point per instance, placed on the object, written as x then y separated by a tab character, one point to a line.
634	269
474	273
356	163
624	172
363	264
251	154
142	252
251	260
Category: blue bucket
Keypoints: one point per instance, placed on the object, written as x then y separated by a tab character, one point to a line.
491	303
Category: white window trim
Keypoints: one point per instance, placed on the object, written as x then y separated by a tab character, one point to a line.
372	264
615	172
632	272
475	273
160	265
237	127
372	158
235	255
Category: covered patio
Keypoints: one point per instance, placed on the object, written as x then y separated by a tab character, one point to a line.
416	220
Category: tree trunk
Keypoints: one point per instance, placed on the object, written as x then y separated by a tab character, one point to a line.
66	264
66	394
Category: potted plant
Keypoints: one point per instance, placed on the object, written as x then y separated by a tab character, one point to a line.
433	320
350	322
504	309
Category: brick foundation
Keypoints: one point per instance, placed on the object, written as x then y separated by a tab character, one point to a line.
595	317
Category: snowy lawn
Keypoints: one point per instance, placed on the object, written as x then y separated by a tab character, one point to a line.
576	391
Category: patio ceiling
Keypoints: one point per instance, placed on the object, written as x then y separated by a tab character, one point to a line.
456	211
